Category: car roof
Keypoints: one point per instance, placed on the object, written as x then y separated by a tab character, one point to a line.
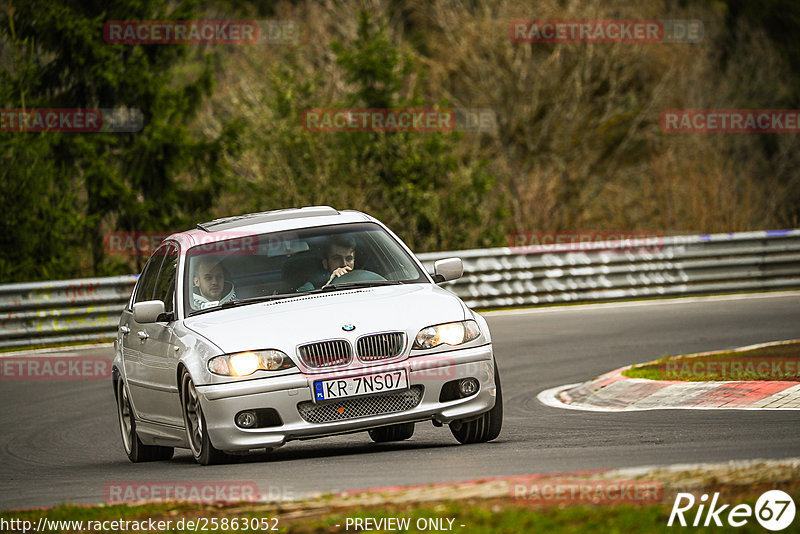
238	221
271	221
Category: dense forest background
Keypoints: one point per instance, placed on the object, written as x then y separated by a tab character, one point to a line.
578	144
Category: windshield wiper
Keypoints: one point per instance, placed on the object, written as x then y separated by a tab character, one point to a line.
243	302
253	300
366	283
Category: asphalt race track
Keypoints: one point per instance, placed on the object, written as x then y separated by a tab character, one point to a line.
59	440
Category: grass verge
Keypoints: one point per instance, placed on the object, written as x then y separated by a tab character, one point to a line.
471	516
774	361
477	507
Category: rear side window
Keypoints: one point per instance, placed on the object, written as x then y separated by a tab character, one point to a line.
147	282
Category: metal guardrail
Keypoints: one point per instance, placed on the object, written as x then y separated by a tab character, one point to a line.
88	309
675	266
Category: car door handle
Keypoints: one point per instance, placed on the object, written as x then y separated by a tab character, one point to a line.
142	334
124	330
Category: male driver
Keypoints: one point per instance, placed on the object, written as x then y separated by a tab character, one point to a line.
210	286
340	256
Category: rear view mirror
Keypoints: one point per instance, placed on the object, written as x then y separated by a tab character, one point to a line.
447	269
147	311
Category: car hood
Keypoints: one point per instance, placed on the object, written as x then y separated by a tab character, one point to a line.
285	324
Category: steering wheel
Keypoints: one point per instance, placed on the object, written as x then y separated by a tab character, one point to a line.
358	275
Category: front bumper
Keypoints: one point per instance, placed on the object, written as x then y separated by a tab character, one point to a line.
222	402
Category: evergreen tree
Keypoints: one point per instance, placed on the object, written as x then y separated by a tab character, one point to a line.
82	185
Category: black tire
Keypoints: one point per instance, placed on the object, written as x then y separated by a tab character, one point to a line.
486	427
195	423
134	448
392	433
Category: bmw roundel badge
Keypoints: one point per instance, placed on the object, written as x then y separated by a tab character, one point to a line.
349	327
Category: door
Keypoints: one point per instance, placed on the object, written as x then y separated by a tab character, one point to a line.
151	361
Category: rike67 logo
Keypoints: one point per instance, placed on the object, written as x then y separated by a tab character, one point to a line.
774	510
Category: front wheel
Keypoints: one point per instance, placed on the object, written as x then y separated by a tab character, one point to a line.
195	422
134	448
487	426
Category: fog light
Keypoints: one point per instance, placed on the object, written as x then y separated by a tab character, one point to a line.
467	386
246	419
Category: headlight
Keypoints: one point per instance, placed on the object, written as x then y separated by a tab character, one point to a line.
243	364
449	334
247	363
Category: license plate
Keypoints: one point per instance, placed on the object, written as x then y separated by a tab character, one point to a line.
356	386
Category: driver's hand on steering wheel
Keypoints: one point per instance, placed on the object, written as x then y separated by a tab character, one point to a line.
339	272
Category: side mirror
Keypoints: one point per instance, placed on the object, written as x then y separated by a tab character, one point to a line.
447	269
148	311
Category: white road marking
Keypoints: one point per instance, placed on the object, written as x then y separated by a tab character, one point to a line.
638	303
549	397
71	348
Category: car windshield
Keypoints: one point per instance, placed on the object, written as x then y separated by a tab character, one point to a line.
231	269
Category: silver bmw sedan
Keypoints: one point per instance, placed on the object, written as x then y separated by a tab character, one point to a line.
251	331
